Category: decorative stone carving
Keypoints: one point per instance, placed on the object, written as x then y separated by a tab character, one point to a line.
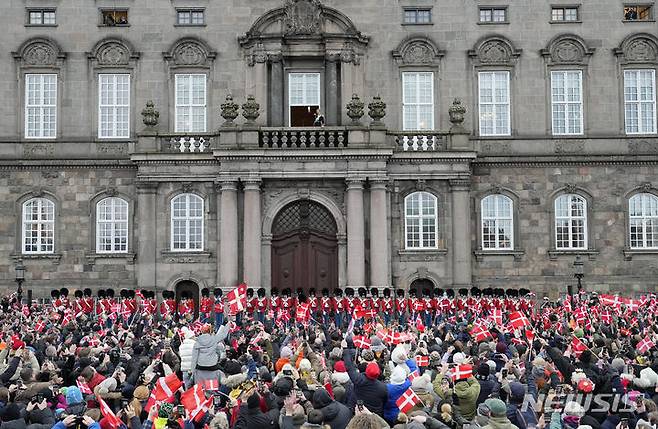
456	112
229	111
189	52
349	55
113	53
417	51
646	187
377	110
567	49
250	110
638	48
569	146
39	149
496	147
421	184
355	109
49	174
111	192
258	55
186	187
495	51
150	115
302	17
39	52
495	189
570	188
642	146
112	148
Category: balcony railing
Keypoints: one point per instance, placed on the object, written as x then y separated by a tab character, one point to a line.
188	143
316	137
419	141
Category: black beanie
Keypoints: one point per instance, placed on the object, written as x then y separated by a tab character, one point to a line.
253	401
232	367
484	369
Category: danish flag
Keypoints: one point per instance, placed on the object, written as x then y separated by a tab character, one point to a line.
303	314
614	301
480	333
237	299
194	400
517	320
394	338
497	317
461	372
26	310
577	346
107	413
361	342
360	313
412	376
644	346
407	401
422	360
606	317
165	387
83	386
40	326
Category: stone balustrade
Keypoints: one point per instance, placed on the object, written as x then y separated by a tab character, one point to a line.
302	137
186	143
419	141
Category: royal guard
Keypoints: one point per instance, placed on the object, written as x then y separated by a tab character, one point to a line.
205	306
261	305
76	306
327	306
349	303
339	307
275	302
428	312
287	302
64	297
168	304
314	304
400	307
87	302
385	305
373	299
55	301
436	302
149	302
218	307
251	302
129	305
417	304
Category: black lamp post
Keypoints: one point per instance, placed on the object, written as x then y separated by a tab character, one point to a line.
578	271
20	278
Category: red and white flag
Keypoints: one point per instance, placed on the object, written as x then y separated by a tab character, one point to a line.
26	310
107	413
165	387
412	376
407	401
83	386
422	360
461	372
496	316
195	402
645	345
577	346
361	342
518	321
210	385
480	333
237	299
303	313
39	327
393	338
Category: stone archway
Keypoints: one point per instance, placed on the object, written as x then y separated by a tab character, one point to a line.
304	248
188	289
421	284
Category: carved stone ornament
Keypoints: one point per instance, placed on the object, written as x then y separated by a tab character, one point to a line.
567	52
186	187
150	116
570	188
646	187
49	174
495	189
377	110
456	112
189	54
421	184
229	111
113	54
349	55
355	109
111	192
302	17
567	49
417	51
250	110
495	51
639	48
258	55
39	52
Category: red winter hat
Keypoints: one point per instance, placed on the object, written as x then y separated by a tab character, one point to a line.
585	385
17	344
372	371
340	366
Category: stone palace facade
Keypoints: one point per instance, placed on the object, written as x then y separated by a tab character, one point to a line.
170	144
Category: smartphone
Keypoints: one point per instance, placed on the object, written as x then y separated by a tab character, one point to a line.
181	410
504	372
124	404
359	405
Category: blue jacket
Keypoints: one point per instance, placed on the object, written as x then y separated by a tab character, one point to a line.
391	409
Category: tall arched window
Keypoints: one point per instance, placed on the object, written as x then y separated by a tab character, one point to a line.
421	223
497	222
112	225
570	222
187	222
643	221
38	226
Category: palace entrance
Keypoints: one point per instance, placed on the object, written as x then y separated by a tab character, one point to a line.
304	248
186	289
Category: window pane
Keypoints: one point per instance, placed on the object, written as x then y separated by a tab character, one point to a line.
418	100
40	105
499	15
190	103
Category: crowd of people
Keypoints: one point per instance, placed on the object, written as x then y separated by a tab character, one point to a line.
471	359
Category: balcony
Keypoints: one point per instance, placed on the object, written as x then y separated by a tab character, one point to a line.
300	138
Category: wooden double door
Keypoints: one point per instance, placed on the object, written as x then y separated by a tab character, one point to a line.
304	248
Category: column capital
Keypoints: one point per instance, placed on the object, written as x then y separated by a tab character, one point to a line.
252	183
378	183
226	184
275	57
144	187
354	183
460	184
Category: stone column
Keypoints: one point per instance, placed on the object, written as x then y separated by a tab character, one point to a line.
379	244
228	233
147	226
355	234
461	232
332	90
252	234
276	103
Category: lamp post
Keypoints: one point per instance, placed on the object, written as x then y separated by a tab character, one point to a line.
20	278
578	271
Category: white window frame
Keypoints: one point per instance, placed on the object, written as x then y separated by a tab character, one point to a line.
563	13
491	12
42	225
41	13
417	104
570	218
644	217
304	75
507	131
189	127
565	103
114	107
40	106
416	15
115	225
190	12
497	219
187	219
636	105
421	238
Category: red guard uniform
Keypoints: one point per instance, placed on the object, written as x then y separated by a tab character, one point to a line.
327	303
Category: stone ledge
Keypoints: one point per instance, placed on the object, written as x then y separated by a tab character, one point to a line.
54	257
480	254
629	253
553	254
185	257
422	255
92	257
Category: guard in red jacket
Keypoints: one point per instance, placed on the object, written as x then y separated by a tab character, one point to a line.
314	304
261	305
339	308
326	306
218	307
401	307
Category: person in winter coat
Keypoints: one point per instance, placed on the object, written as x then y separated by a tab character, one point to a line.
466	391
489	386
422	387
367	387
336	415
11	418
185	352
497	415
342	385
251	416
207	351
398	384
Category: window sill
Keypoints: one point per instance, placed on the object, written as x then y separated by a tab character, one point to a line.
565	22
190	25
416	23
553	254
41	25
113	26
629	253
185	256
54	257
92	257
422	255
480	254
493	23
637	20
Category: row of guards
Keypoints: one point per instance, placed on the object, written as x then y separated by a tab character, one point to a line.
338	304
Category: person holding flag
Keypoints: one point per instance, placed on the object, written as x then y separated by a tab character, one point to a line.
208	349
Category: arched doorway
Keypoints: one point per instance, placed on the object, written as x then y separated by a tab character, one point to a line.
188	289
304	247
420	285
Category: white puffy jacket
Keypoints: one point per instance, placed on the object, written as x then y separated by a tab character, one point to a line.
185	352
